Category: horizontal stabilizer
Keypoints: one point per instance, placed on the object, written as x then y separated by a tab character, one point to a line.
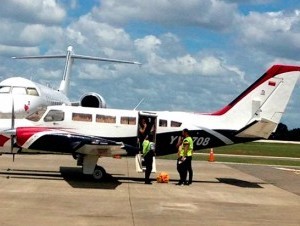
258	129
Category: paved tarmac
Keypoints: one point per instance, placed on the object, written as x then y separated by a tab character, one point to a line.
50	190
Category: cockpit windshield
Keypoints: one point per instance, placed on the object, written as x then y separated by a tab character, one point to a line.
17	90
5	89
37	115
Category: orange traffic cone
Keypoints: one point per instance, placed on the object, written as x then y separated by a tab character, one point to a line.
117	156
211	155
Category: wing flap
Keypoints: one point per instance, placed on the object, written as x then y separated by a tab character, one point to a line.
258	129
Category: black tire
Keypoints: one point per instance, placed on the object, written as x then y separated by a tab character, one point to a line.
99	173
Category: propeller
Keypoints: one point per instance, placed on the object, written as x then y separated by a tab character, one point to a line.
12	136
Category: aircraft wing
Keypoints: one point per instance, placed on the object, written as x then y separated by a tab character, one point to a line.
61	141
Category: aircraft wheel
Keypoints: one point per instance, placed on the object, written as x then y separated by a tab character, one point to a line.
99	173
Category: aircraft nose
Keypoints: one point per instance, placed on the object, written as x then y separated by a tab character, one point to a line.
6	105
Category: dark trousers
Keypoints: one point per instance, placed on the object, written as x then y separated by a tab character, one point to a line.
148	163
183	168
188	164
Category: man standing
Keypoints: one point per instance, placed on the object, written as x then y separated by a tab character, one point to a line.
148	153
181	168
187	146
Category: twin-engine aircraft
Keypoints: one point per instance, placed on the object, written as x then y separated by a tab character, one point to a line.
89	133
25	96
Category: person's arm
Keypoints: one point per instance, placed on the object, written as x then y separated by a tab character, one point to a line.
179	150
143	129
179	146
186	147
179	142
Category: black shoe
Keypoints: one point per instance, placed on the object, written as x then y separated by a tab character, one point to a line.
186	183
179	184
148	182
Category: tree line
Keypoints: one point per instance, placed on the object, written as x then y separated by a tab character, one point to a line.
283	133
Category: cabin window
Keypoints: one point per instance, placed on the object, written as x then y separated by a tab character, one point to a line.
105	119
128	120
19	90
175	124
36	116
5	89
163	123
54	115
32	91
82	117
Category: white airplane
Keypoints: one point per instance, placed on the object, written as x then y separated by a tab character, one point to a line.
89	133
25	96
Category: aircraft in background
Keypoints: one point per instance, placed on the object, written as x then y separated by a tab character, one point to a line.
89	133
25	96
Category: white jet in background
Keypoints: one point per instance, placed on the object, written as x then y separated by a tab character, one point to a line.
25	96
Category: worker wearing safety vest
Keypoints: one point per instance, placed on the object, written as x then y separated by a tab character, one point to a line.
187	153
180	162
148	153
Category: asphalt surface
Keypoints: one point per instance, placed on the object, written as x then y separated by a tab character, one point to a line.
50	190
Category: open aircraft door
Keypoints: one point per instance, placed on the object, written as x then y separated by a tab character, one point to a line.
149	119
147	125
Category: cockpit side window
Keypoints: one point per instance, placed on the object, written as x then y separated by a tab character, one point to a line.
54	115
32	91
36	116
19	90
175	124
5	89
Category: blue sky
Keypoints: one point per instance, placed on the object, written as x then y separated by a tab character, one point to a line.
197	55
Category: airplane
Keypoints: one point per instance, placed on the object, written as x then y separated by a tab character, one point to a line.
90	133
27	96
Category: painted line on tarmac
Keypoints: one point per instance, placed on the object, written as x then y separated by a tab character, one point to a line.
251	156
296	171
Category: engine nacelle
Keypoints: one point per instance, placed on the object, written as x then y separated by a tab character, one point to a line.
93	100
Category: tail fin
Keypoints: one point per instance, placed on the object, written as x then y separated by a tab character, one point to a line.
264	101
70	56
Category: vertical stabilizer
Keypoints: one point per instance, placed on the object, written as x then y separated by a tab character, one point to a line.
64	84
265	100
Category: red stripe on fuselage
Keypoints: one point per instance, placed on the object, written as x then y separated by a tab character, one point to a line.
24	133
272	72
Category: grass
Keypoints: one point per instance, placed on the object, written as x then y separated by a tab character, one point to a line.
252	149
260	149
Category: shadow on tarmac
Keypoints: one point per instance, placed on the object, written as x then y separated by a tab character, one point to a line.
239	183
30	174
74	177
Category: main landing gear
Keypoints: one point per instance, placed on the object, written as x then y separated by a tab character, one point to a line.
90	167
99	173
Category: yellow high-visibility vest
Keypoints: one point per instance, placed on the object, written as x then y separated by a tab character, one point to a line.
188	141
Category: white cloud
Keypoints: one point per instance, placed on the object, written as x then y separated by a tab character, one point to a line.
277	36
186	64
33	11
98	37
148	44
212	14
11	51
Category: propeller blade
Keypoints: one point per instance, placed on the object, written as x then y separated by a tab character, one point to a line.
12	136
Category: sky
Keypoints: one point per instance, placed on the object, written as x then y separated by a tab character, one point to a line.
196	55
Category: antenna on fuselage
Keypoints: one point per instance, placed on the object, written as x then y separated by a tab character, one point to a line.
141	101
70	56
